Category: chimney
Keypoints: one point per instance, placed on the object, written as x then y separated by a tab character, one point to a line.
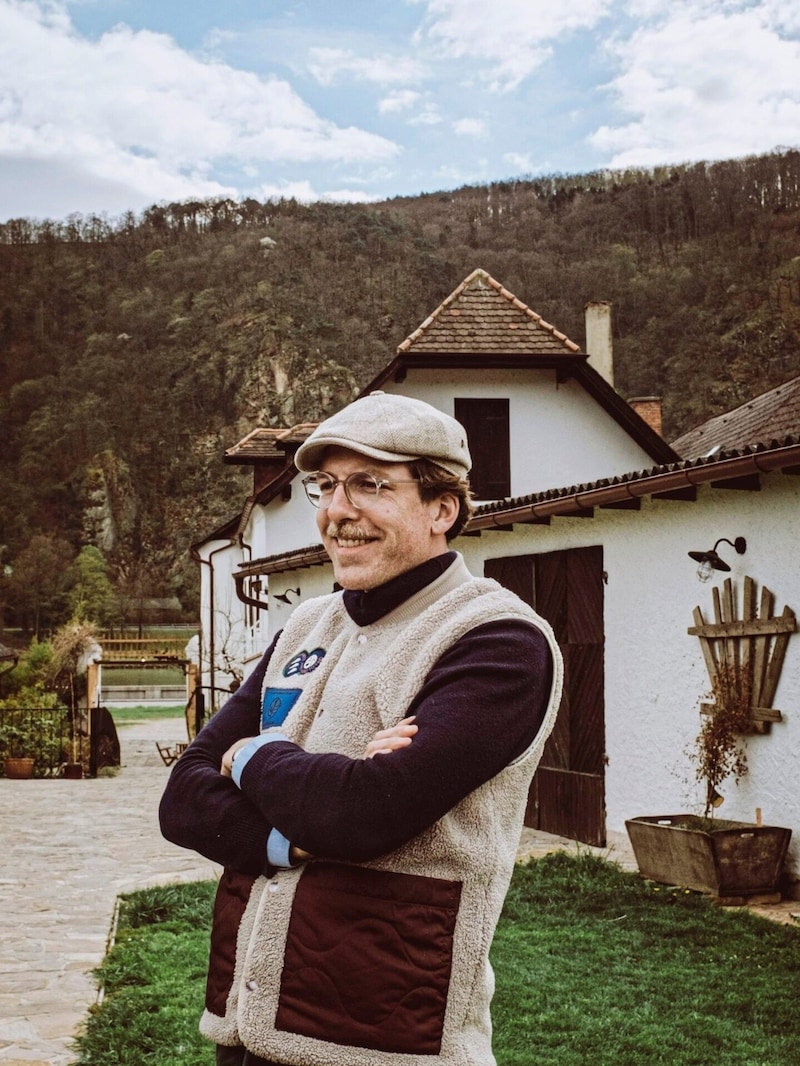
598	339
648	408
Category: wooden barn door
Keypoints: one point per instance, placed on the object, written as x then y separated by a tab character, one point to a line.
567	796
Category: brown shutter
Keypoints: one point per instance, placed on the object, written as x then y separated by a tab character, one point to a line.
487	426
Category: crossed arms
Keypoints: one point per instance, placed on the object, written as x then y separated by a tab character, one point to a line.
480	707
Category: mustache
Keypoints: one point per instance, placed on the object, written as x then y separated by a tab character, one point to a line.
346	531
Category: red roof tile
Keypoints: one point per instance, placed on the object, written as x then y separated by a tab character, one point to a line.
771	416
482	318
264	443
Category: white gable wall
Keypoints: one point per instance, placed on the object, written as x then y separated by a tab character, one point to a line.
560	436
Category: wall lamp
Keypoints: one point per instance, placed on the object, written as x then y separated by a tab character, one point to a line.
286	597
709	561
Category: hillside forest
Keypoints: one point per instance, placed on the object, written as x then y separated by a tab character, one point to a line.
134	351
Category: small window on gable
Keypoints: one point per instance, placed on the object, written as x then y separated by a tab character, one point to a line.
487	426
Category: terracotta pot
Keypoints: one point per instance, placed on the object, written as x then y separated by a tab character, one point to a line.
18	768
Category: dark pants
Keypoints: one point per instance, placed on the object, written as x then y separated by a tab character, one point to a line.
239	1056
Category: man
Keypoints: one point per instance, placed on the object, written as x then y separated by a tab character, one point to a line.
365	787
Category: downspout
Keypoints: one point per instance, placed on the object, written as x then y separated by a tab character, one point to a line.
212	649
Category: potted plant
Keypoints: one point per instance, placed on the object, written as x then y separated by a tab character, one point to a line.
730	860
15	748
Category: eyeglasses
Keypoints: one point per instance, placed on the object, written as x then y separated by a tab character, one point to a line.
360	488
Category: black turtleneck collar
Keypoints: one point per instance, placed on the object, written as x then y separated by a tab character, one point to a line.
371	605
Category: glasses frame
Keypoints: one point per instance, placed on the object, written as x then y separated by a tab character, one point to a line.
380	483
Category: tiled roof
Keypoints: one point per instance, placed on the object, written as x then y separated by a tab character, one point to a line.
263	443
259	444
782	454
482	318
769	417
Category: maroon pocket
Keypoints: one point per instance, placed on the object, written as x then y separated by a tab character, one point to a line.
368	958
233	892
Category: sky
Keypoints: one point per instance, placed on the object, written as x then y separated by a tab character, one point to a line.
108	106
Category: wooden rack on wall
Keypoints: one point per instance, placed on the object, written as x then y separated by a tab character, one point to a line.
750	648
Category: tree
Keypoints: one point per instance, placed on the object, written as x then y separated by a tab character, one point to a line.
91	598
39	579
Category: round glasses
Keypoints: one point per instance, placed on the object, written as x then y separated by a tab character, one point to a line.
360	488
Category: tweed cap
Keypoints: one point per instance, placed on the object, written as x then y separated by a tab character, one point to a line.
394	429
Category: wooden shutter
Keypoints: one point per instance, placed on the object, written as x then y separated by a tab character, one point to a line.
566	587
487	426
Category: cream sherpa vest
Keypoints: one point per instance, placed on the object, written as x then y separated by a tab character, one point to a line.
326	666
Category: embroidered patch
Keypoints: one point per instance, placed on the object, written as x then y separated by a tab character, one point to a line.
304	662
277	704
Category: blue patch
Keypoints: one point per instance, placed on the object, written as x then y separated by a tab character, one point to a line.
277	704
304	662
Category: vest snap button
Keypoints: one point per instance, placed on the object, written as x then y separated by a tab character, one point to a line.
273	886
362	638
252	986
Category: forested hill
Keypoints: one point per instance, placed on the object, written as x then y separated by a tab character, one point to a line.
133	351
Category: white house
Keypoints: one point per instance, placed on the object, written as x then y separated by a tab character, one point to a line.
588	514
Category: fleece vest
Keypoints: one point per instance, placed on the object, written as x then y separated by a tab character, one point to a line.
384	963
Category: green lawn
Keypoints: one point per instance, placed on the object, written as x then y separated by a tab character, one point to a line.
121	715
594	966
134	675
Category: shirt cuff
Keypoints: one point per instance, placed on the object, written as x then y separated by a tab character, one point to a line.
245	754
279	850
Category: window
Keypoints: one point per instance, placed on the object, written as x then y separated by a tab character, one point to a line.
486	423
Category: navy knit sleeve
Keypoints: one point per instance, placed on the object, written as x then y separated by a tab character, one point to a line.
481	706
206	812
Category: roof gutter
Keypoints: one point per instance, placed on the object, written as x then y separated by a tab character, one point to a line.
760	460
644	485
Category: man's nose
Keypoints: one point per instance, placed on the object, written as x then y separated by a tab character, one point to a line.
340	505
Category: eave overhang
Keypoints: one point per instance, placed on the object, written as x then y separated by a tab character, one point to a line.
678	480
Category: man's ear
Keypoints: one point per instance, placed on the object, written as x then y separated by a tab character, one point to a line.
445	511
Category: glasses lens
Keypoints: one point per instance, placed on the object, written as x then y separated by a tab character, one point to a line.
318	488
362	488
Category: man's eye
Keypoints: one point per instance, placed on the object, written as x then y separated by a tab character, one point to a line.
325	485
365	484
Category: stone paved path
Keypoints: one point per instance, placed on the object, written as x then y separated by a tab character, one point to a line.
68	849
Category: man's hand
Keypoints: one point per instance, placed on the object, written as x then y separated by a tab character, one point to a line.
387	740
227	758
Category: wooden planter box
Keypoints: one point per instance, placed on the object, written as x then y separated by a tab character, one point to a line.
734	859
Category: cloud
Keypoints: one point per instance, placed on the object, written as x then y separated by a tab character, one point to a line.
304	192
329	65
136	115
398	100
520	161
470	127
703	82
512	37
428	116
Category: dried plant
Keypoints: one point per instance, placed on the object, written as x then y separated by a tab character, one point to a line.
719	750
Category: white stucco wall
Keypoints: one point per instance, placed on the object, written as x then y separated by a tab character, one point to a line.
560	436
655	676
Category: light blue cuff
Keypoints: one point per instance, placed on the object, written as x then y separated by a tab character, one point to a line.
245	754
279	850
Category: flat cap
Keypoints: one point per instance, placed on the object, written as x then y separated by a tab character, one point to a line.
394	429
